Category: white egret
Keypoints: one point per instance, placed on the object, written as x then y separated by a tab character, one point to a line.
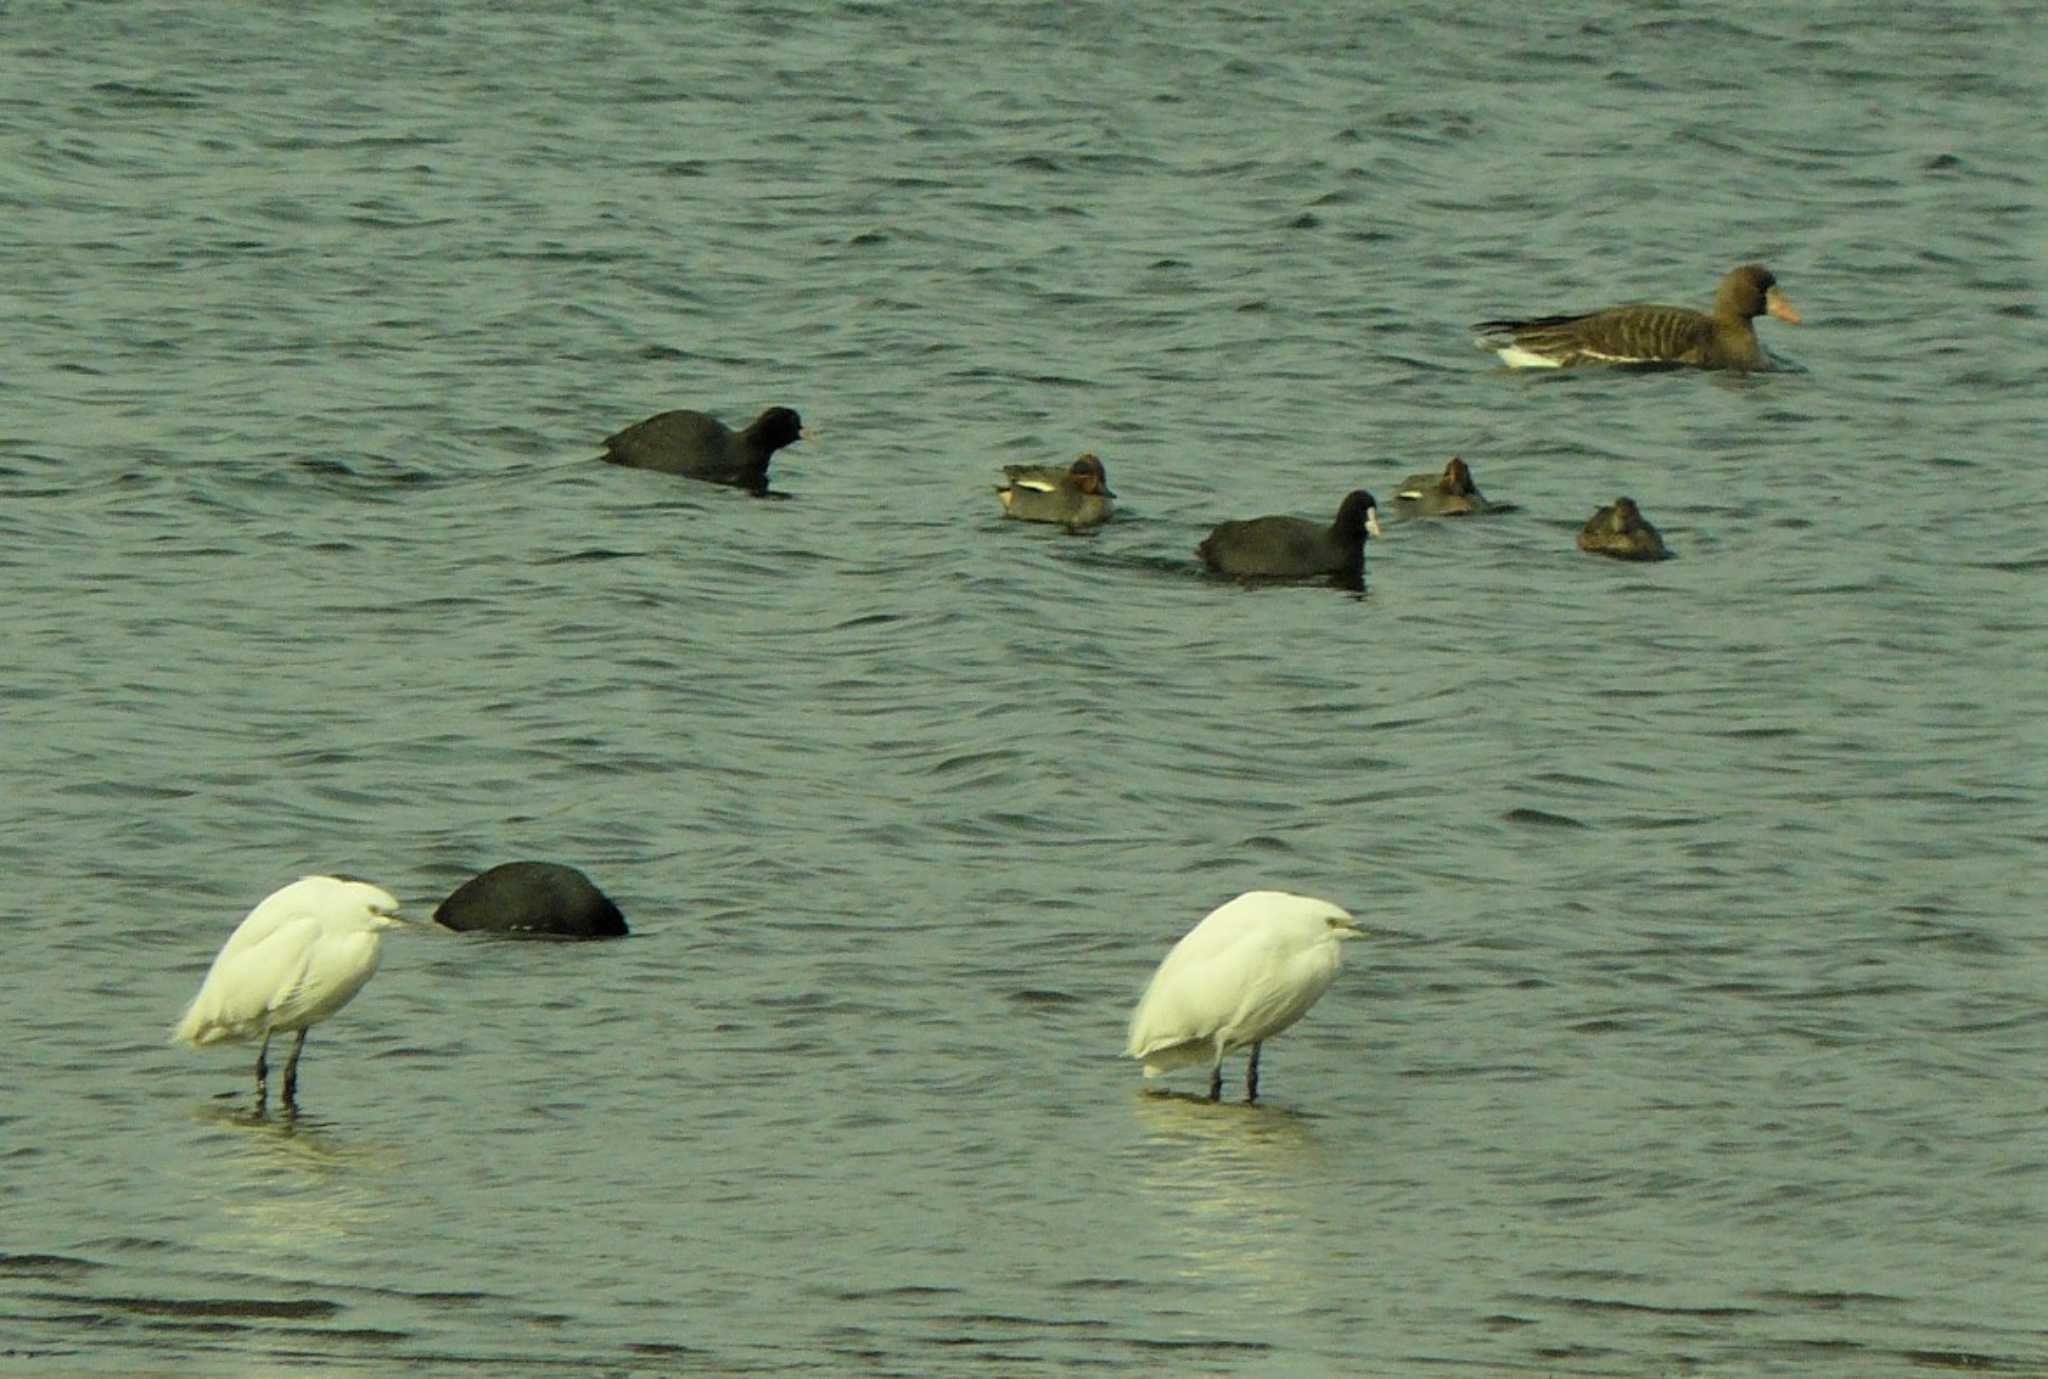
299	956
1250	969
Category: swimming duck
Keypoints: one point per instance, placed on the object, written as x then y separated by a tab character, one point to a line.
1077	496
1620	530
1450	494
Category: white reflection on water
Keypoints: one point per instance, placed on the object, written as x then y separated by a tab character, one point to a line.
1234	1185
284	1184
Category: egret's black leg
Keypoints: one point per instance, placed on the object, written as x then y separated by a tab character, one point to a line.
1251	1075
262	1075
291	1072
1216	1081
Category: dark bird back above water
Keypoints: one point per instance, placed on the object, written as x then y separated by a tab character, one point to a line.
702	447
1294	547
1720	338
1078	496
533	900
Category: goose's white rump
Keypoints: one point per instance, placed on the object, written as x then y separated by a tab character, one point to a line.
1249	970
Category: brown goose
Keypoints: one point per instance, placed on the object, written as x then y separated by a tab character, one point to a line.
1450	494
1621	531
703	447
1078	496
1722	338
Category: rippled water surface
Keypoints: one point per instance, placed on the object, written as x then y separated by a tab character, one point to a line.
1701	1028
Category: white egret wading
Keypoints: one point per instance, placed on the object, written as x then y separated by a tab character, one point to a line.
299	957
1250	969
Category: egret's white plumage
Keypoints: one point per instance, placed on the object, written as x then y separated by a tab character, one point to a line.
299	956
1250	969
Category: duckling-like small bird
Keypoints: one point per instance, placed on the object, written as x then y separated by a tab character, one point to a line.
1621	530
1720	338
